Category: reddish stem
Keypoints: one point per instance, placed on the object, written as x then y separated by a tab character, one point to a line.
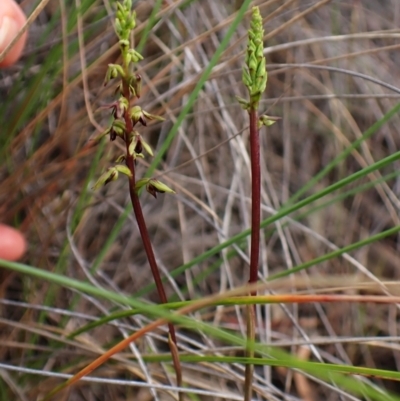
255	241
137	208
255	197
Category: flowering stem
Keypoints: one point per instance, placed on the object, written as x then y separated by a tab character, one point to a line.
255	77
255	241
137	209
126	117
255	196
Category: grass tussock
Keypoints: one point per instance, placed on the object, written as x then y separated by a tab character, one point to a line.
332	78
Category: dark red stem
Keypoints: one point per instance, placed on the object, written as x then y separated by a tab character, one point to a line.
137	208
255	197
255	241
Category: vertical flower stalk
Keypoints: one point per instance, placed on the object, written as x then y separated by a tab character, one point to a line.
254	77
127	118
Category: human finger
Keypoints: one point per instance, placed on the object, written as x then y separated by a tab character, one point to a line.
12	19
12	243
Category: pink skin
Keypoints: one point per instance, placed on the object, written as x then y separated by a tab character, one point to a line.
12	18
12	242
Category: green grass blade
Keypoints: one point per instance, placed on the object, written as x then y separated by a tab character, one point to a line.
285	211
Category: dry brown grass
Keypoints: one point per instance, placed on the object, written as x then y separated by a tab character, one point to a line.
323	111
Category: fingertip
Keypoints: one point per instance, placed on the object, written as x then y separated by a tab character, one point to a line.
12	243
12	19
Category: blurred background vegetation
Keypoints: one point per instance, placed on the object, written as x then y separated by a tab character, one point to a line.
333	74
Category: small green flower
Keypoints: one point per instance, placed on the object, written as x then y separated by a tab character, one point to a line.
267	120
123	169
121	107
113	71
117	128
138	114
135	85
138	144
141	183
134	55
110	175
153	186
122	110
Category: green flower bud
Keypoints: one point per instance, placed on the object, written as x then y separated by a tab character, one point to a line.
243	103
262	83
260	51
261	68
125	20
120	14
132	23
118	27
246	78
132	20
253	63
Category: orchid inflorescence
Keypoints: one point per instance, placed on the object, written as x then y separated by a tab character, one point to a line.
126	117
254	73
